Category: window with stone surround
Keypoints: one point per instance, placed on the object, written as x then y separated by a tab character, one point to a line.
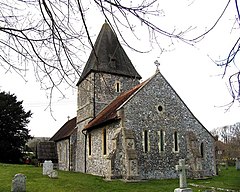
104	141
160	108
118	86
161	144
202	150
145	141
175	142
89	144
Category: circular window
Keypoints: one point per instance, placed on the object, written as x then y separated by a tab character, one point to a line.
160	108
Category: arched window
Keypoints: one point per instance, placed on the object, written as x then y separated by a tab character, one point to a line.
104	138
175	138
89	144
118	86
202	150
145	141
161	140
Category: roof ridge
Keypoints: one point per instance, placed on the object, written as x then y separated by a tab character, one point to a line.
65	131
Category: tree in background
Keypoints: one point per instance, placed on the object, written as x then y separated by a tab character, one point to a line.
53	36
13	131
230	137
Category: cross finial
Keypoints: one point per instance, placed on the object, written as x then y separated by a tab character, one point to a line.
157	64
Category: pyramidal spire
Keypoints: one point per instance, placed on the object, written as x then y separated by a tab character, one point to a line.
108	56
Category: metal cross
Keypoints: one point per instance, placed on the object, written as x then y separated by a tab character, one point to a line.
157	63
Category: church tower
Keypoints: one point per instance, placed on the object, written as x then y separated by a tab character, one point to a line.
107	73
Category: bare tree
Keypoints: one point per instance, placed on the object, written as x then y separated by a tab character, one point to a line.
41	34
232	59
223	133
230	136
53	36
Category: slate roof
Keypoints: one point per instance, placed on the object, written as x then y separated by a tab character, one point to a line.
109	113
65	131
108	56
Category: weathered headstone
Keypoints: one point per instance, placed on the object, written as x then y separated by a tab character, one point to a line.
19	183
238	164
47	167
182	177
53	174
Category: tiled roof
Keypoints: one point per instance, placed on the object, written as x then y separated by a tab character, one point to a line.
110	112
108	56
65	131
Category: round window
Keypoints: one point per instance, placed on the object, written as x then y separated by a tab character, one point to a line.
160	108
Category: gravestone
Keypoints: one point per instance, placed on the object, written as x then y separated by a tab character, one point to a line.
182	177
47	167
53	174
19	183
238	164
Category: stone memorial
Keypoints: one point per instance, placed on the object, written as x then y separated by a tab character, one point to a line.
19	183
53	174
238	164
182	177
47	167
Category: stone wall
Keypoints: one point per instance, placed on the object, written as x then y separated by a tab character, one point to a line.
73	149
156	108
120	160
85	103
164	110
106	90
99	163
80	159
94	93
63	154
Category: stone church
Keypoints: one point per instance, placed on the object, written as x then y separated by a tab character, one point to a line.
130	130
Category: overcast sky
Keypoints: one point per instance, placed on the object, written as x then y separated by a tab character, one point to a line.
189	69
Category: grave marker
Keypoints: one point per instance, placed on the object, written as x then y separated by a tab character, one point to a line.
53	174
47	167
238	164
19	183
182	177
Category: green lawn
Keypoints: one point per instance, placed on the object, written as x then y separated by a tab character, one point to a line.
78	182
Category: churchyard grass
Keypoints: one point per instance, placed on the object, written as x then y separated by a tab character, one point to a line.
78	182
227	179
